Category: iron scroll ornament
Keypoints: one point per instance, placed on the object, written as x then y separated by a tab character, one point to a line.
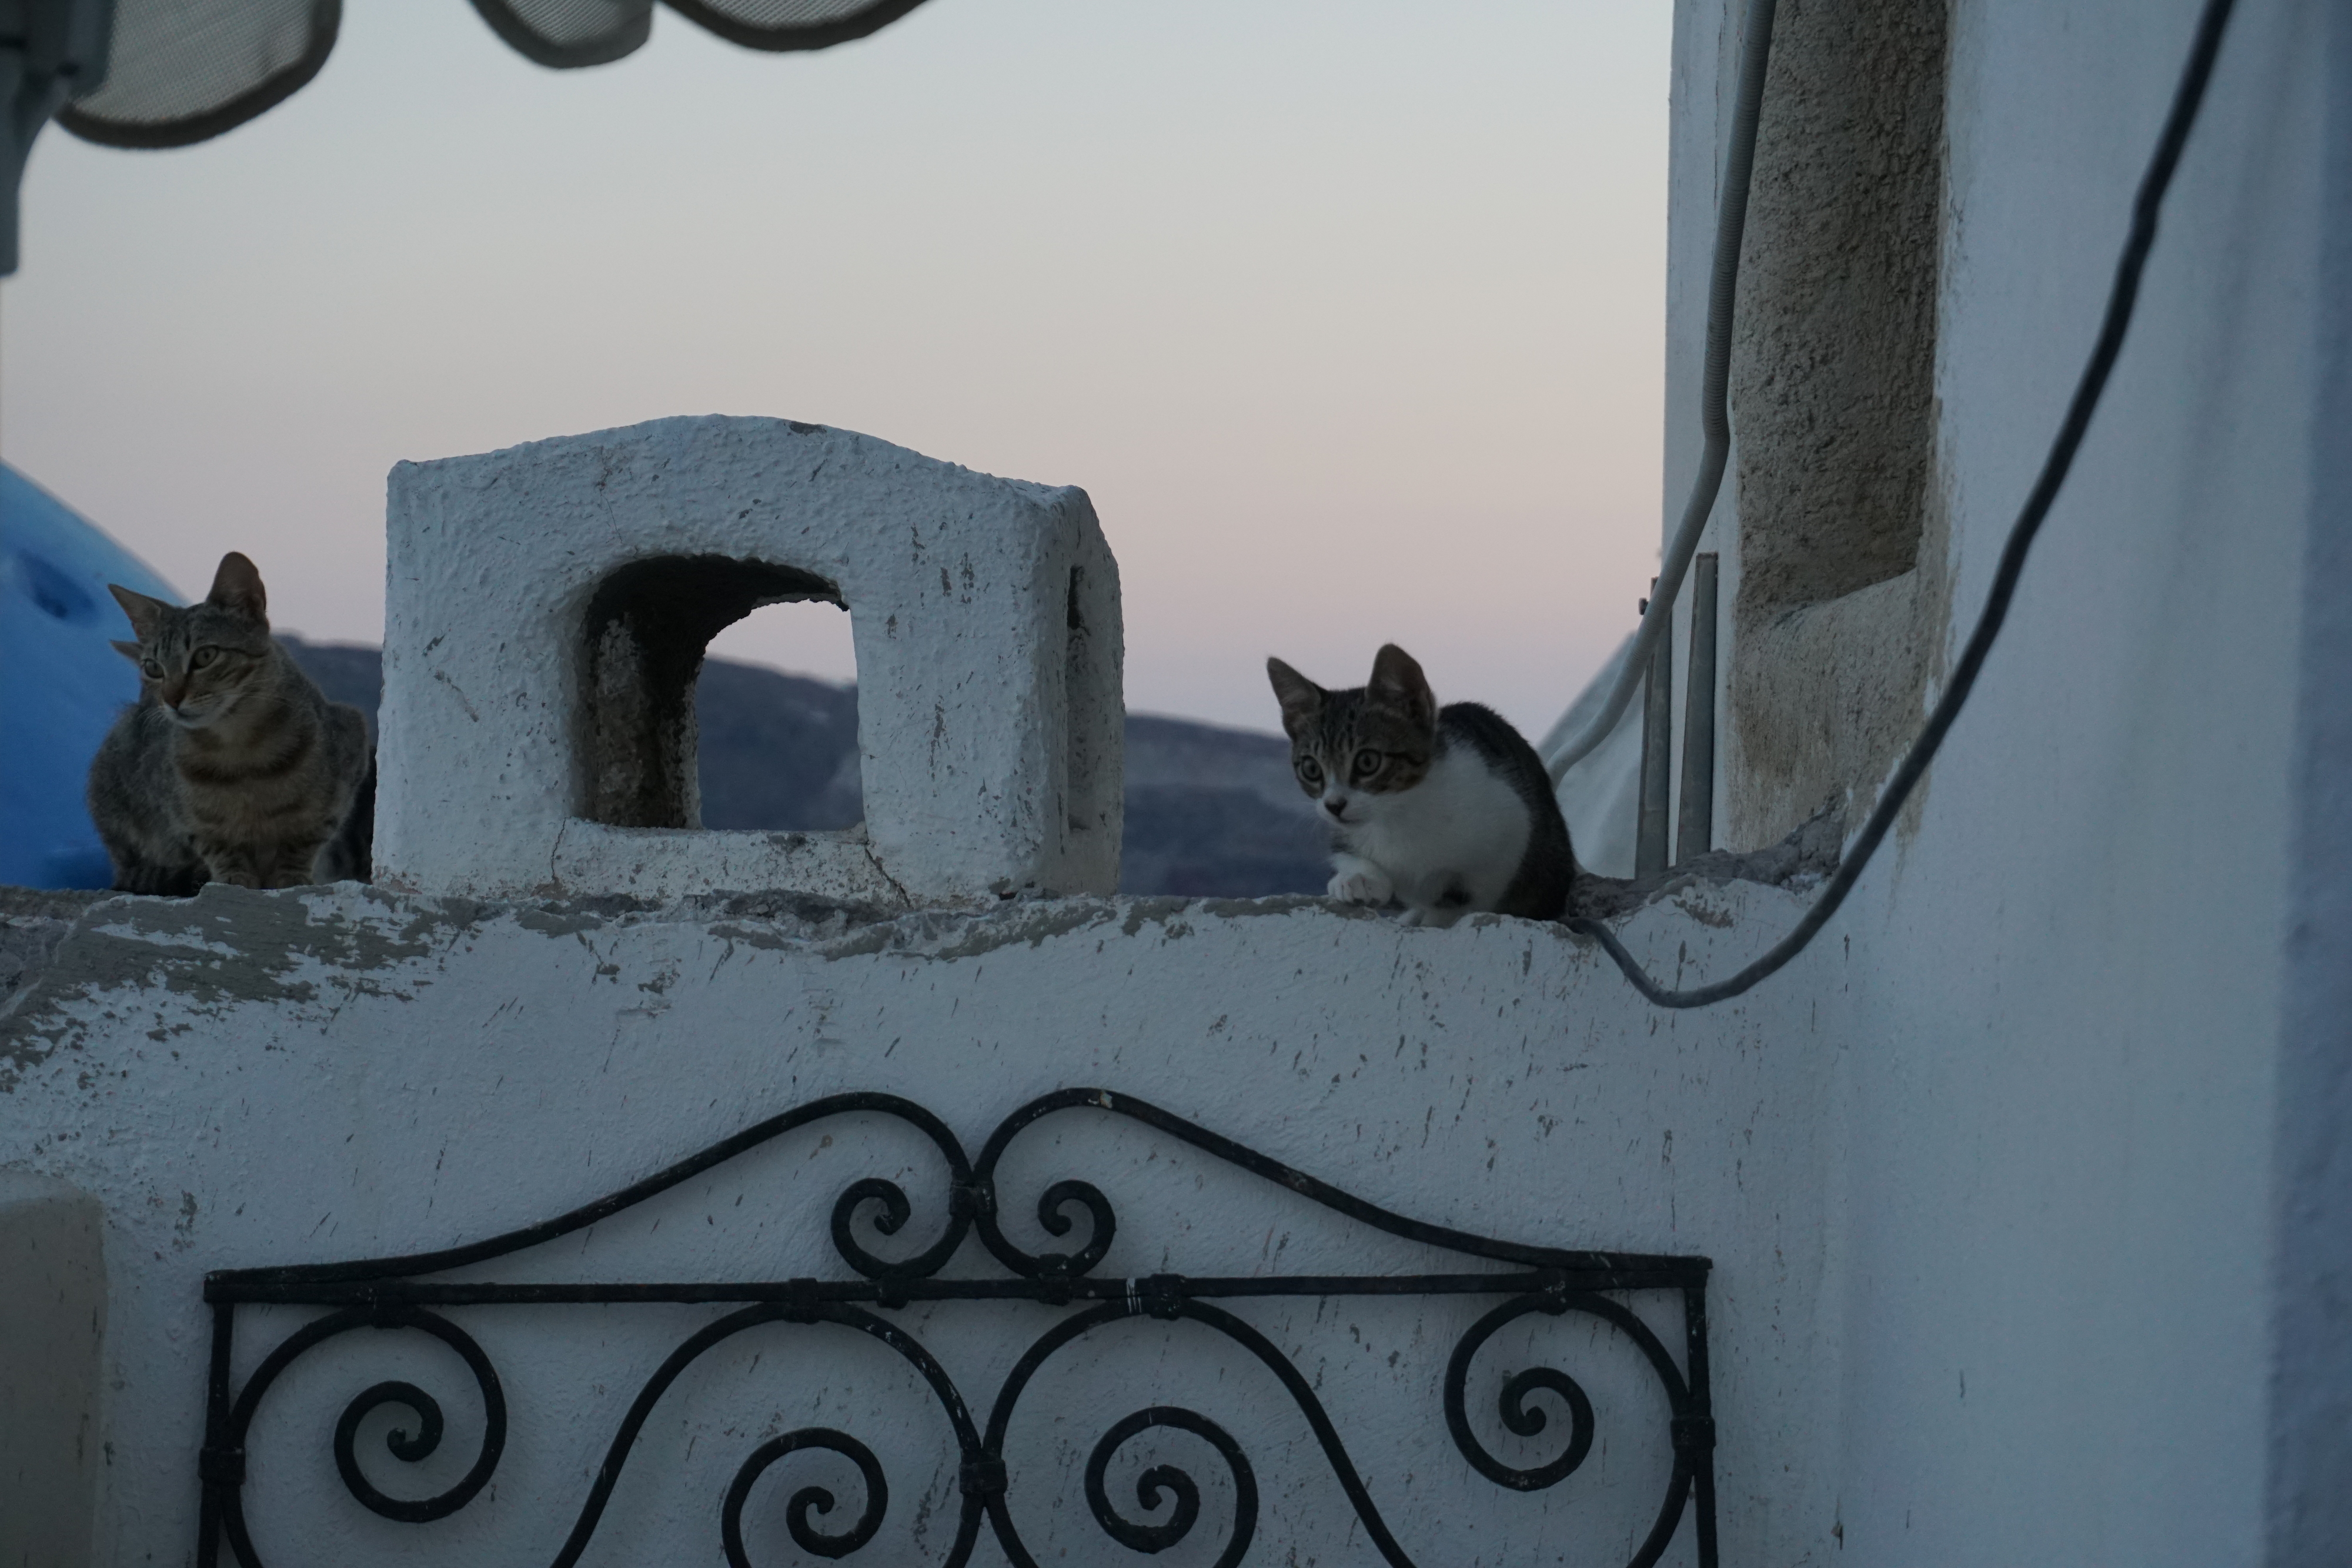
397	1293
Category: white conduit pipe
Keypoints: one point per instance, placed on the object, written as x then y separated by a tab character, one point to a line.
1716	397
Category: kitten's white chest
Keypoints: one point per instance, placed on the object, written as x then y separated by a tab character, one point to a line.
1453	842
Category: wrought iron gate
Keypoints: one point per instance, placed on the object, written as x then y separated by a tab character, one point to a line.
398	1292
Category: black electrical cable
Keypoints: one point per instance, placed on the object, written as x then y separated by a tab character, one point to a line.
2120	301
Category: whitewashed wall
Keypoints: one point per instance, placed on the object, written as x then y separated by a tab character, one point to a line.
2026	1187
253	1078
2089	1233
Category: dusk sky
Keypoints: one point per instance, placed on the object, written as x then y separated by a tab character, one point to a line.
1347	314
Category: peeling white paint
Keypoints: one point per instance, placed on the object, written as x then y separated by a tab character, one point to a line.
368	1074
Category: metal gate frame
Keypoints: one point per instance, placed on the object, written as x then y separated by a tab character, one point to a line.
395	1293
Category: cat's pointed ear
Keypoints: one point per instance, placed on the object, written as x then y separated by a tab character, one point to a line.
127	650
144	613
1301	698
1397	682
237	586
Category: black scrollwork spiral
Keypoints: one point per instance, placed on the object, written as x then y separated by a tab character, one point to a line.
896	1209
1528	1420
1167	1479
1053	1205
412	1448
1518	1414
810	1499
1053	1209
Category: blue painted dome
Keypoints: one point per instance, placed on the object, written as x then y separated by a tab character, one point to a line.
61	682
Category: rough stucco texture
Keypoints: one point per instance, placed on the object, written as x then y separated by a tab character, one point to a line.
1833	398
2073	1330
985	619
259	1078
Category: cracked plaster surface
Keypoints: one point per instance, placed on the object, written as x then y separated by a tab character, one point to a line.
247	1077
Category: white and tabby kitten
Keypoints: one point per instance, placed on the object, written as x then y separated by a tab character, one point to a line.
1445	811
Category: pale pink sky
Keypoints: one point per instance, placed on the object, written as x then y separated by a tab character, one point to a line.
1347	314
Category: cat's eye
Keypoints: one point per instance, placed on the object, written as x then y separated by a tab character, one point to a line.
1367	762
1310	770
151	669
203	656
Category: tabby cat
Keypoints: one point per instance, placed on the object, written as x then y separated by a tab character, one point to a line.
231	765
1443	811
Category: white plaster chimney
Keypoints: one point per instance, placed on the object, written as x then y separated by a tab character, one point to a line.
546	610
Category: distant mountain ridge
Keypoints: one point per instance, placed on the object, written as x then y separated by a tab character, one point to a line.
1211	812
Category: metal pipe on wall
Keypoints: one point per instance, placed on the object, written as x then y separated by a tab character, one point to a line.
1650	845
1694	821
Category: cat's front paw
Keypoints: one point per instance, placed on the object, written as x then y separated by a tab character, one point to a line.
1363	885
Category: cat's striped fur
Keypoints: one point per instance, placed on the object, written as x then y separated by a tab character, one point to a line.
233	765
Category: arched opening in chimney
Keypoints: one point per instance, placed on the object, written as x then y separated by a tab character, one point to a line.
646	632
